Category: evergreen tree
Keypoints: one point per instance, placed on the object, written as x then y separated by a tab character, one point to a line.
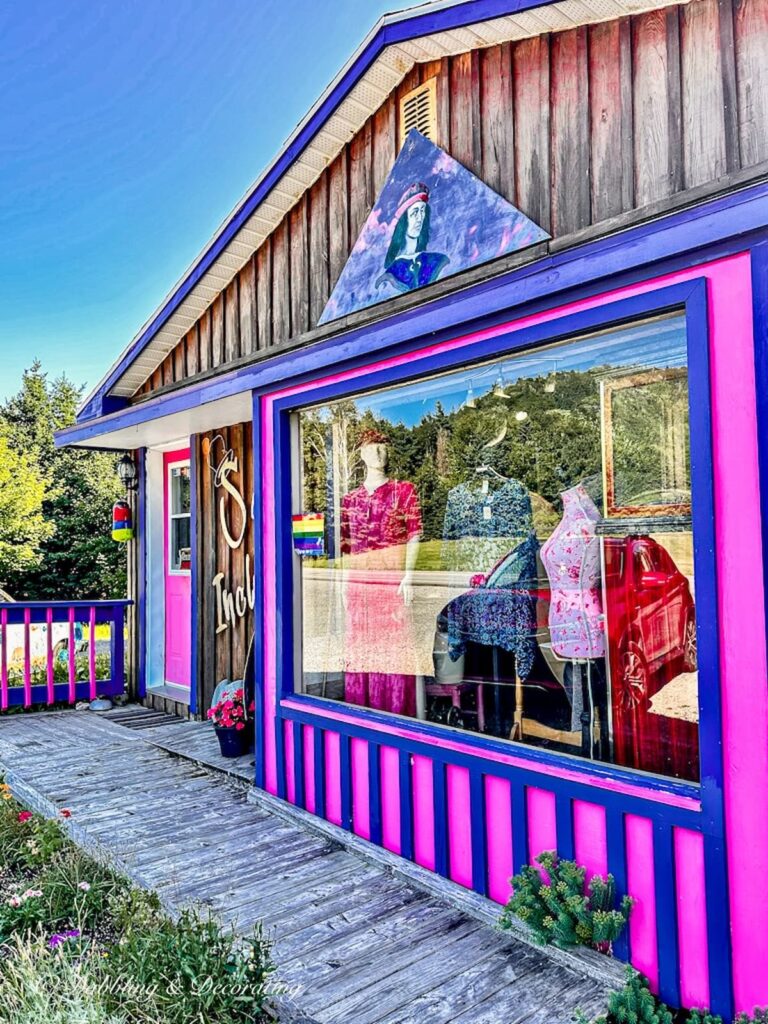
23	527
77	556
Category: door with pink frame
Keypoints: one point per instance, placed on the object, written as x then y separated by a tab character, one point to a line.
178	567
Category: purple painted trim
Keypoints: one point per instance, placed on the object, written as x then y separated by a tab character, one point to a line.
418	24
532	288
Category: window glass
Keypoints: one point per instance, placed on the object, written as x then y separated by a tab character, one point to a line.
179	549
507	549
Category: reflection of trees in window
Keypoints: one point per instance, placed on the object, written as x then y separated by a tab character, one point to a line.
649	431
554	446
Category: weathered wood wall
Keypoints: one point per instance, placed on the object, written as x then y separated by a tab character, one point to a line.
221	655
575	128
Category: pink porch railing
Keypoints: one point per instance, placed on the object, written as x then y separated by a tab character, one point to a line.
54	652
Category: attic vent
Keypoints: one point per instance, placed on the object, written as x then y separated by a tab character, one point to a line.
418	109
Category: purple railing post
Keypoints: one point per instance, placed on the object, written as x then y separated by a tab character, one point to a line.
4	660
92	651
117	671
49	654
27	659
71	653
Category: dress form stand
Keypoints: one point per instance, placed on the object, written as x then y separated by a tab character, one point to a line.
571	557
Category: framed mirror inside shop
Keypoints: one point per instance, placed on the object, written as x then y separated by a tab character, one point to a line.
506	549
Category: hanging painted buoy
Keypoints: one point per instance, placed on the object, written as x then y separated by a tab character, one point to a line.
122	523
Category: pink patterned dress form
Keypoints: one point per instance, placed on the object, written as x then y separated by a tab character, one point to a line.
378	643
571	557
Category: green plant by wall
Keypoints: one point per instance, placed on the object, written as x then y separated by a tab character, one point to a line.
553	901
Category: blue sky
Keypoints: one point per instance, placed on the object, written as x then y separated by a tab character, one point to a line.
129	131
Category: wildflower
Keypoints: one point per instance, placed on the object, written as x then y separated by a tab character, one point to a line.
4	787
24	816
15	901
32	894
85	886
6	796
65	812
58	937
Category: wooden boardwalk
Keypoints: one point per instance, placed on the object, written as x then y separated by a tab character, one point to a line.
354	943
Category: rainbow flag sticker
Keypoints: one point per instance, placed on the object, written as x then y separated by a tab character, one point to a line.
308	534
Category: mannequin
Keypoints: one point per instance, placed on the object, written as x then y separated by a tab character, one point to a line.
380	532
571	558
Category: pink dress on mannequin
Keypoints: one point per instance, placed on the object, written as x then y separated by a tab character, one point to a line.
571	557
376	527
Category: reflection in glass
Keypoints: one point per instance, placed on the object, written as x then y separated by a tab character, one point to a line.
517	565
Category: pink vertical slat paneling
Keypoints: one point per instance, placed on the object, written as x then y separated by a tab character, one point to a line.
4	659
390	799
290	774
589	837
459	825
542	822
49	653
27	660
498	816
308	739
691	917
361	814
423	813
332	777
92	652
71	668
641	880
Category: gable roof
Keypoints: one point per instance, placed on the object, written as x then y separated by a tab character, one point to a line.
398	41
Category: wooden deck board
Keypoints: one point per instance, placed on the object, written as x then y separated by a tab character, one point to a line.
353	942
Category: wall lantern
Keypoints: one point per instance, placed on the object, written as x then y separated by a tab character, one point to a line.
126	470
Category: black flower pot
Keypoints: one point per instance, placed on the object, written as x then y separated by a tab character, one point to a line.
233	742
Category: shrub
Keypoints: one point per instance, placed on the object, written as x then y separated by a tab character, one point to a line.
194	970
553	902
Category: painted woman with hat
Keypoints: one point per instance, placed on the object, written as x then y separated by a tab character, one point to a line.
408	263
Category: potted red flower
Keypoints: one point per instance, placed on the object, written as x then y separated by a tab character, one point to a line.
232	722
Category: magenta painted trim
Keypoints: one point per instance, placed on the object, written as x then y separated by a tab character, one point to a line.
361	816
308	743
459	825
498	810
542	821
290	762
423	812
333	777
390	799
92	652
49	653
4	659
27	659
71	665
590	843
691	918
742	620
641	882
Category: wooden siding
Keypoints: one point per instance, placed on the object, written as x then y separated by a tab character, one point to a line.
221	655
575	128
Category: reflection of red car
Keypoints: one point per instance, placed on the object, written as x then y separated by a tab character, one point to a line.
651	625
650	615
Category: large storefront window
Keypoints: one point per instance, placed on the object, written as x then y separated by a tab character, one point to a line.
507	549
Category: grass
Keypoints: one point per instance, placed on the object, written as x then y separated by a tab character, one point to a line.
79	944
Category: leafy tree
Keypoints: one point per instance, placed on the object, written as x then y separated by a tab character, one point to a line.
23	527
77	556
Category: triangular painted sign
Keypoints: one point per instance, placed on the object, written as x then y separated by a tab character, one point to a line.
432	218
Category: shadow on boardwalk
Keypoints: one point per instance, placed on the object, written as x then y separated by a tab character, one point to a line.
355	941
